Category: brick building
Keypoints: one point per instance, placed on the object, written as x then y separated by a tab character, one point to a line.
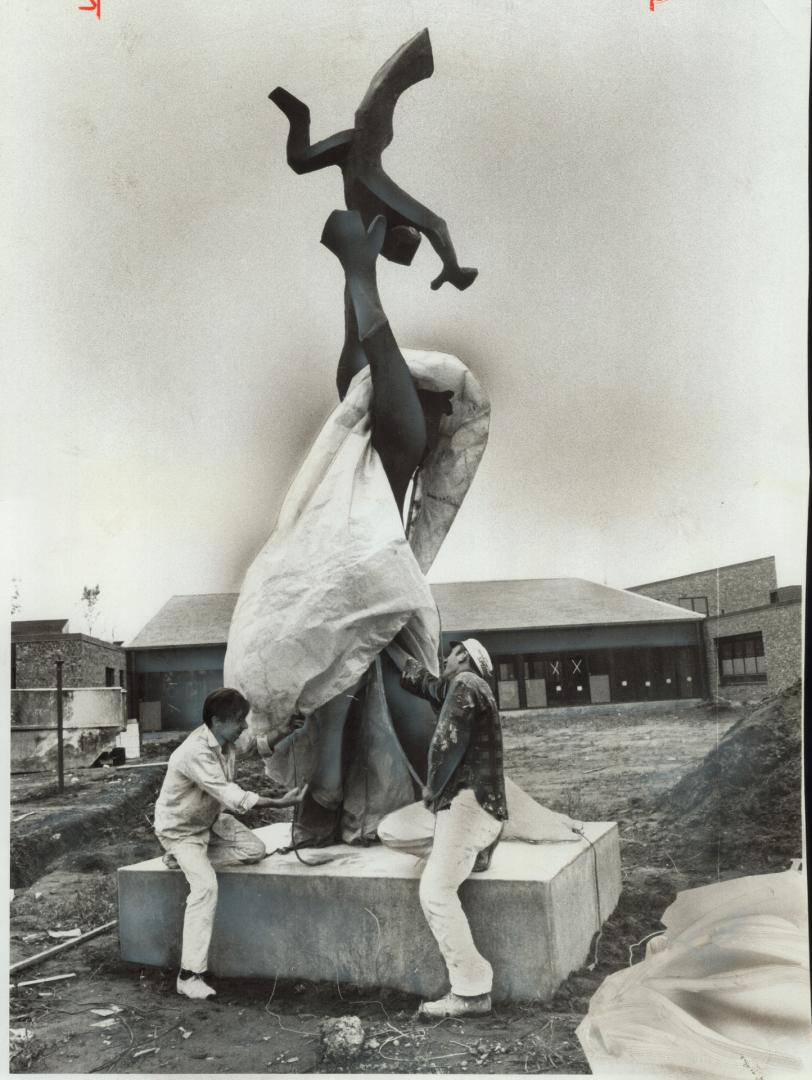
568	641
554	641
88	661
751	630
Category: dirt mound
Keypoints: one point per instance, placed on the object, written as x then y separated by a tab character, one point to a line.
81	823
749	787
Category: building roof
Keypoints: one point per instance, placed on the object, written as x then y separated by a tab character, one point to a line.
534	603
37	627
707	570
538	603
195	619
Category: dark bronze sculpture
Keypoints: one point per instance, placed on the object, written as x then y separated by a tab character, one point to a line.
357	152
393	222
405	423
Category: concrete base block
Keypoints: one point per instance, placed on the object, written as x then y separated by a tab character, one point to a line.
357	919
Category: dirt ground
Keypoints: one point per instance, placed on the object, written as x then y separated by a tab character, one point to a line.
609	765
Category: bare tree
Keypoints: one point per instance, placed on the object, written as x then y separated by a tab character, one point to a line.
90	600
15	596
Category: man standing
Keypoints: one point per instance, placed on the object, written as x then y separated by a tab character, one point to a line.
198	836
465	790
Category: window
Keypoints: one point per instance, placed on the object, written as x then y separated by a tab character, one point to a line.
109	676
741	658
695	603
121	677
507	682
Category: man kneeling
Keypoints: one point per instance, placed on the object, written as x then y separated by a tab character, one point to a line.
465	790
195	832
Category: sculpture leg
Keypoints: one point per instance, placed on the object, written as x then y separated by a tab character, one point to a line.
413	719
353	358
302	157
398	423
406	210
317	821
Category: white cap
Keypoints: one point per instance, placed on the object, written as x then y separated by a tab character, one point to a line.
479	655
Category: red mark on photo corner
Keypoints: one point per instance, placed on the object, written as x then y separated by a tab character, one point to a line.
652	4
94	5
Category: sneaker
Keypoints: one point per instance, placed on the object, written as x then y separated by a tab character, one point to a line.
193	986
455	1005
170	862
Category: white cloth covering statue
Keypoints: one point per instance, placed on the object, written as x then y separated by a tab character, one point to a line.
337	599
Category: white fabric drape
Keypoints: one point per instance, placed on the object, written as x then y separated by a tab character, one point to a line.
723	993
337	580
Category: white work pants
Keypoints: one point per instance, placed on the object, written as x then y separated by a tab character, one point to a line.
460	833
228	844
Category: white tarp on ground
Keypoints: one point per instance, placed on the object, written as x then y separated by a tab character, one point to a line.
337	580
723	993
527	820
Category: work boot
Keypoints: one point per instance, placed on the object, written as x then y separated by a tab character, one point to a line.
455	1005
193	985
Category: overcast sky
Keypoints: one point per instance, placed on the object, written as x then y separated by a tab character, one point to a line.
631	185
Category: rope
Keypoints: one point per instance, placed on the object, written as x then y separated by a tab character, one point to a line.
413	503
582	834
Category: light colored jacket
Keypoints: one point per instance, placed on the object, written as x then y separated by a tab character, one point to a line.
198	785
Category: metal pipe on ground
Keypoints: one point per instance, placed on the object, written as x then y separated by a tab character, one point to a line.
60	747
21	965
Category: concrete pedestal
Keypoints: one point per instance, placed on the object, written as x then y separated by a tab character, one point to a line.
358	920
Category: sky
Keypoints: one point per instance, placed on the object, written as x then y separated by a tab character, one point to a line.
631	185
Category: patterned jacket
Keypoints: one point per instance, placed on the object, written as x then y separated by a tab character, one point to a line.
466	748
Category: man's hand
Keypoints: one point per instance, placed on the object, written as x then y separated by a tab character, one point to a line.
290	798
267	742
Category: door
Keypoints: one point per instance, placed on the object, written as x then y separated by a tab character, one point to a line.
535	682
688	673
647	675
576	680
556	689
668	687
624	676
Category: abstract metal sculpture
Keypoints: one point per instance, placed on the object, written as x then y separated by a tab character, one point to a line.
357	152
338	597
393	222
